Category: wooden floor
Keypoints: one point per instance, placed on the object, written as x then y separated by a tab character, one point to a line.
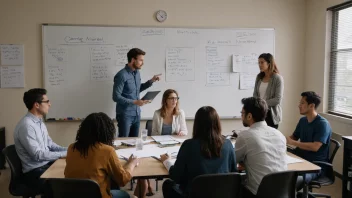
334	190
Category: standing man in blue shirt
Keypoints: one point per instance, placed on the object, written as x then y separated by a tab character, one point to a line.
314	133
127	86
32	142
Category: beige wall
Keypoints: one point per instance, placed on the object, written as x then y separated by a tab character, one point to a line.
20	23
317	66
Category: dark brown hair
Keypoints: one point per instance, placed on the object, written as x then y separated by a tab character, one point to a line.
207	129
166	95
312	97
271	62
32	96
133	53
256	106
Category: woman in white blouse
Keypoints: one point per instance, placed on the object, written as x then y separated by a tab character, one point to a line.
169	119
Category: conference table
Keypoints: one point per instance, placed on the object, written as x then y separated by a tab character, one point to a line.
149	168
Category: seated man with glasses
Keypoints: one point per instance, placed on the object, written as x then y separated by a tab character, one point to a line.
33	144
169	119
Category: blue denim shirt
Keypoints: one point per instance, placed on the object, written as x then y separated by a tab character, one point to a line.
127	86
34	145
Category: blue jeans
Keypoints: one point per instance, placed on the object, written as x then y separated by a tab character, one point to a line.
128	126
119	194
309	177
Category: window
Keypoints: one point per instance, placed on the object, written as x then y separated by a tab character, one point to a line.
340	84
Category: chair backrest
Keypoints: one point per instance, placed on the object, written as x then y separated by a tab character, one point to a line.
72	188
148	126
278	185
14	162
222	185
334	146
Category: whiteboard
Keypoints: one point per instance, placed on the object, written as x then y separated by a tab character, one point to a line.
203	65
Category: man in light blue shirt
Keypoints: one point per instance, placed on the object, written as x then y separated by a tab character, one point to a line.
127	86
33	144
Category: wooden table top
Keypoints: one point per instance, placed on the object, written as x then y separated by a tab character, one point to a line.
152	168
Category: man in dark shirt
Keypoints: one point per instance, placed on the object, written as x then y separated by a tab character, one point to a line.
314	133
127	86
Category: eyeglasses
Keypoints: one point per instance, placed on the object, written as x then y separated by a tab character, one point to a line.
173	98
243	113
45	101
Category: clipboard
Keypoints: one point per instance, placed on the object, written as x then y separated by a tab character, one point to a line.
150	95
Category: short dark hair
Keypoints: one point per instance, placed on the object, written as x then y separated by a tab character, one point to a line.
312	97
207	129
32	96
95	128
256	106
133	53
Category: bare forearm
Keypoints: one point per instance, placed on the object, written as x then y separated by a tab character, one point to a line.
129	167
308	146
293	137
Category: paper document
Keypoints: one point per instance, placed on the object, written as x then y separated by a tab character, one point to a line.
169	142
292	160
180	140
132	142
117	142
148	151
162	138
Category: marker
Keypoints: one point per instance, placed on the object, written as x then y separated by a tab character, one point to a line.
158	74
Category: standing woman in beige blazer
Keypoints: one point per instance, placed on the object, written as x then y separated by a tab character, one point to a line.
169	119
269	86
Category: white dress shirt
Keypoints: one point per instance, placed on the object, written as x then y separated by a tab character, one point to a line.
263	151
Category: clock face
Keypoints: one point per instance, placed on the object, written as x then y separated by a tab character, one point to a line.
161	15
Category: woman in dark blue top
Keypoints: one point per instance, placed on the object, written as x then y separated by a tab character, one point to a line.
206	153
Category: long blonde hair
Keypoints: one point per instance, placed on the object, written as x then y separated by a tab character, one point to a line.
163	108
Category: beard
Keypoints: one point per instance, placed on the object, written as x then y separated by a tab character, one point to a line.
135	66
303	112
245	124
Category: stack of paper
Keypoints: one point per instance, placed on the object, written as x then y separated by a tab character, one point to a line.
148	151
167	139
168	142
162	138
180	140
132	142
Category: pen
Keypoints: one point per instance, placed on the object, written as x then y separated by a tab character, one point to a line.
124	158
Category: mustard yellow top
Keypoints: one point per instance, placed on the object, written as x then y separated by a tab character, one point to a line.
100	165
